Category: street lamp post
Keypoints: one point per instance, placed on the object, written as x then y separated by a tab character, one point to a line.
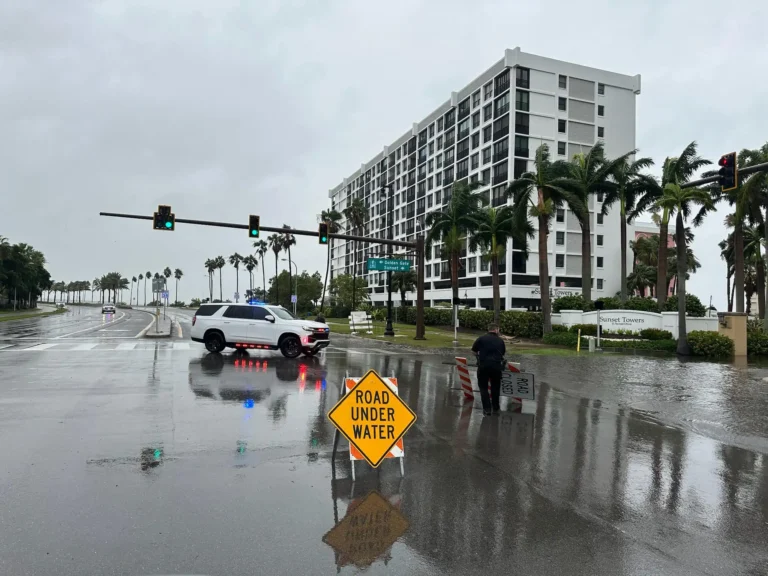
388	330
295	282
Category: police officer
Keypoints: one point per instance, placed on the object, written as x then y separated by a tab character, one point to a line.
490	350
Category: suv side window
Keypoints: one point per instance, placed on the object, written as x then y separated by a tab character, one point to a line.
242	312
208	309
259	313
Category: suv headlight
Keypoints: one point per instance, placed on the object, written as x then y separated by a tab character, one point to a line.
307	329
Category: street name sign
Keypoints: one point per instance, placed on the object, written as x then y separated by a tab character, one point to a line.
368	530
164	294
389	264
372	417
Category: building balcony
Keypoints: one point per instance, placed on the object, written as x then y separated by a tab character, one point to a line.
522	129
521	152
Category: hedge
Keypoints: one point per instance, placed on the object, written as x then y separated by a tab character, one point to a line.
586	329
561	339
757	343
662	345
655	334
693	306
710	344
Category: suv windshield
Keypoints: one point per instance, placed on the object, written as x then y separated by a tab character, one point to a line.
281	313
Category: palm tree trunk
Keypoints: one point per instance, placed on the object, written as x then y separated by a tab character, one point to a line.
760	286
586	261
738	263
354	276
661	276
748	295
682	265
454	276
177	290
145	291
495	281
221	287
765	233
546	305
730	302
728	291
263	280
290	272
623	240
327	271
237	281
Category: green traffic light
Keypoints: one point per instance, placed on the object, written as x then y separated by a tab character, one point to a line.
254	232
158	453
168	224
324	239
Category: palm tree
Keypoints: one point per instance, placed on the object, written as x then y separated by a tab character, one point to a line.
403	282
210	266
177	274
631	185
94	287
539	194
333	219
726	253
157	276
356	214
250	263
676	170
130	298
220	263
147	276
167	273
451	225
235	261
493	230
642	276
755	188
288	241
122	285
261	249
589	174
680	201
275	242
753	239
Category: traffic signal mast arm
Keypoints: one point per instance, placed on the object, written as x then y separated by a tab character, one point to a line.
716	178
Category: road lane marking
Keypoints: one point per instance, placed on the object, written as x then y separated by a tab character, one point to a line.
4	346
126	346
122	315
38	347
181	345
85	346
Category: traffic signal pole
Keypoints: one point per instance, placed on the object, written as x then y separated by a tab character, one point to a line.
418	246
710	179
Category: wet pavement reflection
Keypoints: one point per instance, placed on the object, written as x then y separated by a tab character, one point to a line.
175	462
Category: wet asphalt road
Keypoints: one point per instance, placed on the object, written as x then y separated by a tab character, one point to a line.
139	457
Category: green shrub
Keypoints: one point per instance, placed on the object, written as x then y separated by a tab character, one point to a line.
586	329
757	343
644	304
661	345
559	328
754	325
522	324
610	303
194	303
710	344
655	334
379	314
693	306
561	339
576	302
475	319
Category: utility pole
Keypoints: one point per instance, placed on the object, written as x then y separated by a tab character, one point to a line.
388	330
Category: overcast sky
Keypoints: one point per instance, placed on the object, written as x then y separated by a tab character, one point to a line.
223	109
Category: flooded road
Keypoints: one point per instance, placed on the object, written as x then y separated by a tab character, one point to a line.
159	459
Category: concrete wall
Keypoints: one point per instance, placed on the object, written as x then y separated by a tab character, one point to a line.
634	320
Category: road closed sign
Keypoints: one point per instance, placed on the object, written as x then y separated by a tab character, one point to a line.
517	385
372	417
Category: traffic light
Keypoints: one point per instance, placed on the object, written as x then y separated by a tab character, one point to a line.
253	226
729	172
322	233
164	219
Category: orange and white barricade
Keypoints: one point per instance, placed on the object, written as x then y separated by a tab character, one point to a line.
466	382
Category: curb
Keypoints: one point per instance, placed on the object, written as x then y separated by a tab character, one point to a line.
146	333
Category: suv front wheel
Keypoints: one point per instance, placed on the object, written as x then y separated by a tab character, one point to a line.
214	342
290	346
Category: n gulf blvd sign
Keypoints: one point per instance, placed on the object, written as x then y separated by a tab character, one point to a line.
389	264
372	417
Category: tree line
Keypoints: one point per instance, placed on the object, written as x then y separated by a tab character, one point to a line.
23	275
110	285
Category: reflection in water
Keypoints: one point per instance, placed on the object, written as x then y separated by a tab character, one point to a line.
151	457
367	532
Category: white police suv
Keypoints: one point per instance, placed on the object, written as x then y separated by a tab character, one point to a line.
257	326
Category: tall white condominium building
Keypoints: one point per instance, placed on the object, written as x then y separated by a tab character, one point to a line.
489	131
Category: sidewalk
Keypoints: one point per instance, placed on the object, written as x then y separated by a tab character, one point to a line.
163	328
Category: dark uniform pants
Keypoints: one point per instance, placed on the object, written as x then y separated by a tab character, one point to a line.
483	376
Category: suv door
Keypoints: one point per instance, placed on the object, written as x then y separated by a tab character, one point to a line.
261	330
235	322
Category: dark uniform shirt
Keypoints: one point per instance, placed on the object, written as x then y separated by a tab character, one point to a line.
490	350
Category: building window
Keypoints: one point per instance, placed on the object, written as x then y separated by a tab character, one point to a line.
472	261
475	140
502	105
600	110
439	142
488	91
562	81
521	146
561	148
599	261
599	239
521	167
436	266
487	112
431	148
475	161
522	101
476	99
483	264
428	270
522	77
560	216
439	160
438	180
431	165
560	238
439	129
561	103
599	283
487	133
599	218
601	89
522	123
486	156
561	126
559	260
599	196
600	132
475	120
486	177
432	130
430	183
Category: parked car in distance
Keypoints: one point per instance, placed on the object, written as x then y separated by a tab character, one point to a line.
108	309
